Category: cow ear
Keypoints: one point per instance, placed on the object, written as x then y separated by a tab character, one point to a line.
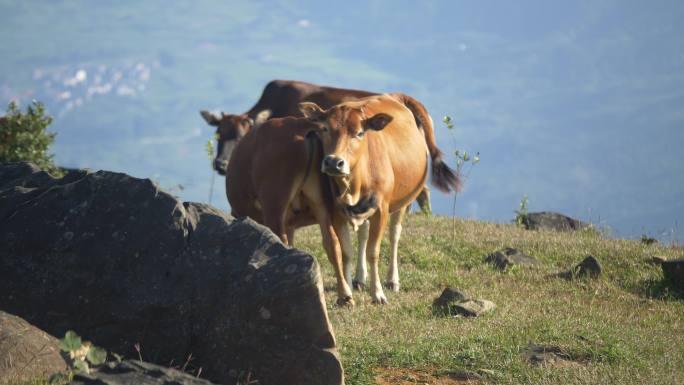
261	117
311	111
377	122
211	118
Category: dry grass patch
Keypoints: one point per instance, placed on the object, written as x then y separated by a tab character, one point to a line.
404	376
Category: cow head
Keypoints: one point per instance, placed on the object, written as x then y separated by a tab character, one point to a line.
229	130
343	130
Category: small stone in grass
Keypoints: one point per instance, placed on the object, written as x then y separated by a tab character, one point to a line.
448	296
452	302
509	256
589	267
474	307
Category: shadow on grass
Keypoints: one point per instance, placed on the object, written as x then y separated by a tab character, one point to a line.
659	289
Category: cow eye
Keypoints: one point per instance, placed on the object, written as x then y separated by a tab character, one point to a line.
359	134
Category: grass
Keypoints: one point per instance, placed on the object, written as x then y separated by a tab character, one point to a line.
626	327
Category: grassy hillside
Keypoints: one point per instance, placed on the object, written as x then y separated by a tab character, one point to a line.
625	327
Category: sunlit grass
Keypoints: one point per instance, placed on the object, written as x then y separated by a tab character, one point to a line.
624	327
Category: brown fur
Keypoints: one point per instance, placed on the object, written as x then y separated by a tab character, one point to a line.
274	178
374	146
282	98
274	174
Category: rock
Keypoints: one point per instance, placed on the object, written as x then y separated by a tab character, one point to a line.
589	267
136	372
657	260
121	262
507	257
454	303
448	296
552	221
673	270
474	307
26	352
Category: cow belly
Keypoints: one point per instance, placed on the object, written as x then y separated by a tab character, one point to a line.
410	173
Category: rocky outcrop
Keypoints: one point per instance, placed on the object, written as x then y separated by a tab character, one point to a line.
552	221
121	262
26	352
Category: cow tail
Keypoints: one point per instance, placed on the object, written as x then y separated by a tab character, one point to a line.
443	177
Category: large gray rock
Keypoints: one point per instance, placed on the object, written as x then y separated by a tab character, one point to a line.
26	352
552	221
121	262
673	270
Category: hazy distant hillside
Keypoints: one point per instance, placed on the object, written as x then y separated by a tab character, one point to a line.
577	106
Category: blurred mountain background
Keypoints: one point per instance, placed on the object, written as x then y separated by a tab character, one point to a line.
578	105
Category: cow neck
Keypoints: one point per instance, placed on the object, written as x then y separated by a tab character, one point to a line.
350	187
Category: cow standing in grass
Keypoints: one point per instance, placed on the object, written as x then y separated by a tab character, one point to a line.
376	157
374	161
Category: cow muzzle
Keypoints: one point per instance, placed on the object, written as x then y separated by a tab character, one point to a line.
221	166
335	166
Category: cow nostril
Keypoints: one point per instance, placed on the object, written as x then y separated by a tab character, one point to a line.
340	164
220	164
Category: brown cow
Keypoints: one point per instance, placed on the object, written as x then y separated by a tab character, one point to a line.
279	99
274	178
376	158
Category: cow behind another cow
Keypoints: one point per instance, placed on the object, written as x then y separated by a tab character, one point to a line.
279	99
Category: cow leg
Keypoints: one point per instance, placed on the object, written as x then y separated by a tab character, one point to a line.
274	217
378	222
347	249
331	244
276	225
423	200
394	234
290	235
361	268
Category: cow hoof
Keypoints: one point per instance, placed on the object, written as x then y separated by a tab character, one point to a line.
380	300
345	302
392	286
358	285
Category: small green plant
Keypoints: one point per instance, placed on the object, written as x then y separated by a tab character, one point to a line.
83	353
462	158
522	212
647	240
209	147
24	136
